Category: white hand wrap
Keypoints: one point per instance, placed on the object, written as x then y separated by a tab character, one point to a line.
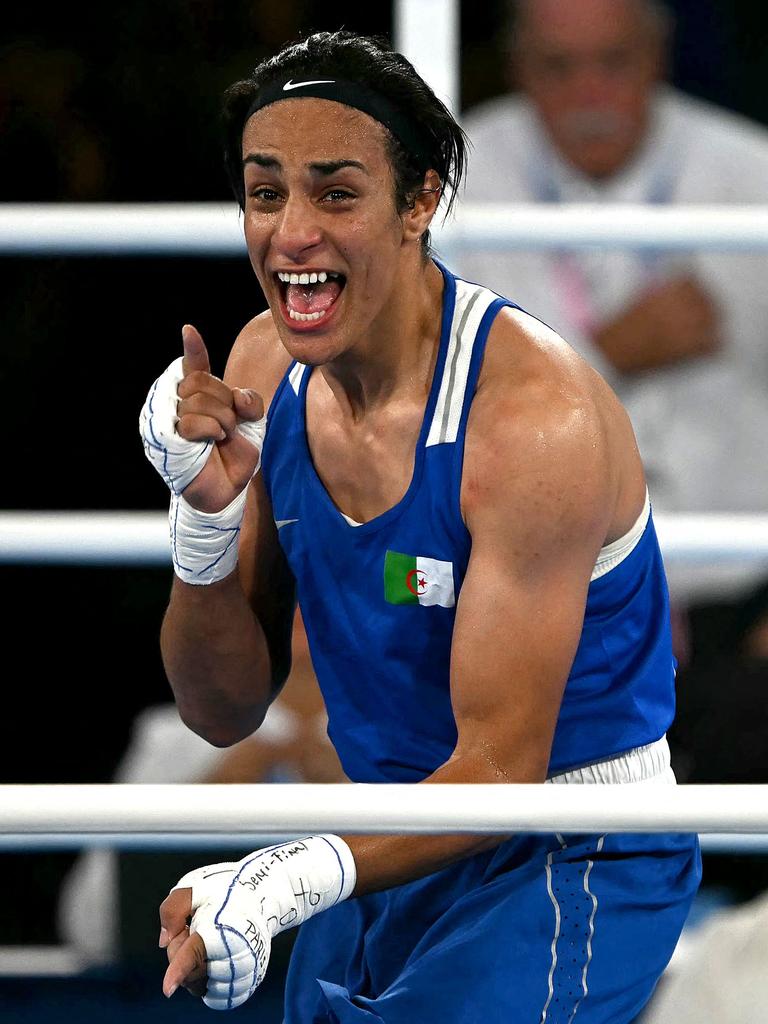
177	460
238	908
204	545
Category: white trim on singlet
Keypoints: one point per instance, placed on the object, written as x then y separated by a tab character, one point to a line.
614	553
650	763
295	376
472	302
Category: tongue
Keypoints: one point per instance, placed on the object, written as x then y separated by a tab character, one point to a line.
312	298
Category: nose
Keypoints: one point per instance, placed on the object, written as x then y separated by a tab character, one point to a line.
298	228
592	85
580	90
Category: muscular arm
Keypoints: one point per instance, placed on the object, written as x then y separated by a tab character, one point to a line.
226	650
538	501
226	646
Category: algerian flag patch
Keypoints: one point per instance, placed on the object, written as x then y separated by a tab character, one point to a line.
413	579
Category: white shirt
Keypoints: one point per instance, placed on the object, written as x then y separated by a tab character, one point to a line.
702	425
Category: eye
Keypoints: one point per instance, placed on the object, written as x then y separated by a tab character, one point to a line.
338	195
555	66
264	195
616	61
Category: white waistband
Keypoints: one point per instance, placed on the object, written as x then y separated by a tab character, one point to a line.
643	764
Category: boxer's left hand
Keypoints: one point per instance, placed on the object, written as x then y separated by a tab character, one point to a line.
223	955
236	909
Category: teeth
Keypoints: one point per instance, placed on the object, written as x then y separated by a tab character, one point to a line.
322	276
306	316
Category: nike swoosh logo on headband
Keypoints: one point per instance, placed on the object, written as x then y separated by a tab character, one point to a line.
315	81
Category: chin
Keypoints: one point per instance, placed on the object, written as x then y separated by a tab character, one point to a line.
600	161
312	350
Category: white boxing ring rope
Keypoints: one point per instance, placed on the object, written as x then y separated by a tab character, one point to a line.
48	817
141	538
215	229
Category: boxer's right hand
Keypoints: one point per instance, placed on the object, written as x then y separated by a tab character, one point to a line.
203	437
209	410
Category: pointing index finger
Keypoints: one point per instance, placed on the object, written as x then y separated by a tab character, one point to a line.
195	352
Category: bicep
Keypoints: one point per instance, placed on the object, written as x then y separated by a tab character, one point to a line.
537	506
516	634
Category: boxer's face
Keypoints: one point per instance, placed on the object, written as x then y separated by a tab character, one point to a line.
319	203
589	66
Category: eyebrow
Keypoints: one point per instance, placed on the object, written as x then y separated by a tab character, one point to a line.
324	168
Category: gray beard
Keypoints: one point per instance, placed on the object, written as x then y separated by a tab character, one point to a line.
593	126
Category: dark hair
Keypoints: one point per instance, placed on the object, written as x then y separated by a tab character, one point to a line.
371	62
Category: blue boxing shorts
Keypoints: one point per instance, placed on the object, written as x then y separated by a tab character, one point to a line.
540	929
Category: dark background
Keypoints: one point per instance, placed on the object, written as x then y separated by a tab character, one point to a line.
119	103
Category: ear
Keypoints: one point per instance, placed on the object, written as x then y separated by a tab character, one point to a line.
418	216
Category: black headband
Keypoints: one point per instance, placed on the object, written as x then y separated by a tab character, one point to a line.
352	94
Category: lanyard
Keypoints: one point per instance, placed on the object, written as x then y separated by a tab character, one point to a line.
570	278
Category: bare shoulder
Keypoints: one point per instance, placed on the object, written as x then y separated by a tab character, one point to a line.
258	359
547	440
535	377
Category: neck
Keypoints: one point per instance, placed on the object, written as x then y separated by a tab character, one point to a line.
397	355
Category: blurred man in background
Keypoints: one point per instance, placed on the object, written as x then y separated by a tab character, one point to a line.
682	337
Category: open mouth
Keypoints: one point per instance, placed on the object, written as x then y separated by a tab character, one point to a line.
309	297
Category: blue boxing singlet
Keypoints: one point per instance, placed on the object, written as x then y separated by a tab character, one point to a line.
378	599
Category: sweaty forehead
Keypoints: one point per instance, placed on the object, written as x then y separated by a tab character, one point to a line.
306	130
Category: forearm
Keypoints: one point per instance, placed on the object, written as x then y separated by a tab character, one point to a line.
238	908
217	660
386	861
674	322
630	347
